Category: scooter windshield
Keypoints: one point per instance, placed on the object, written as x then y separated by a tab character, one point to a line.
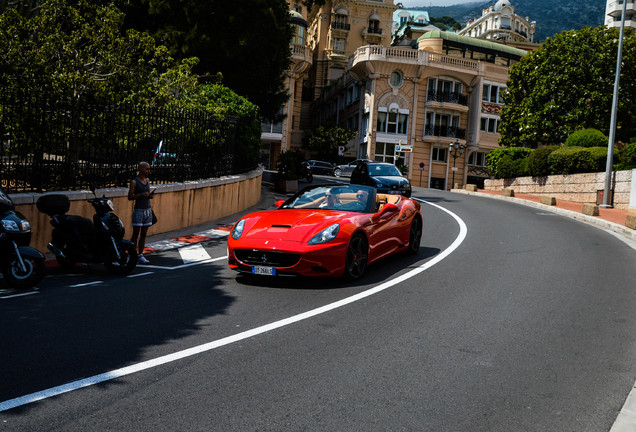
5	202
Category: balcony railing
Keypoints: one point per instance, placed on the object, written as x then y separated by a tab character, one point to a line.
420	57
340	26
445	131
456	98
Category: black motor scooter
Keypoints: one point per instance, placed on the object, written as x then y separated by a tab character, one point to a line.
80	240
22	266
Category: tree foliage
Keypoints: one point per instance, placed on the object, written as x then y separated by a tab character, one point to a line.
324	142
247	41
566	85
78	49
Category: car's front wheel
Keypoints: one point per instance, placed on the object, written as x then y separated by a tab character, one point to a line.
357	257
337	172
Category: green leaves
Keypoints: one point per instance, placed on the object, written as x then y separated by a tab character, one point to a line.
324	142
566	85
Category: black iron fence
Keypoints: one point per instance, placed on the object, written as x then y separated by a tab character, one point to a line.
49	145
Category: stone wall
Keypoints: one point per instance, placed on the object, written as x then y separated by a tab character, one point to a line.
582	188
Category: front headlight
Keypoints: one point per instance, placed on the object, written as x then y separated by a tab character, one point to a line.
325	235
237	231
10	226
378	183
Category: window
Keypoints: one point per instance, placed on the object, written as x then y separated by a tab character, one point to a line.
492	93
396	79
300	36
384	152
340	20
339	44
489	124
477	159
393	122
440	154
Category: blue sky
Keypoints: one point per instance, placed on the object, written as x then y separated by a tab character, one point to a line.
426	3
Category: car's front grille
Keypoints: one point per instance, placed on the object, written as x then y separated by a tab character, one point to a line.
267	258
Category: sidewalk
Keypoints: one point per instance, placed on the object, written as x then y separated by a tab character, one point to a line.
609	218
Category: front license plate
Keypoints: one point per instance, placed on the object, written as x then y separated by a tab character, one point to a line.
261	270
394	192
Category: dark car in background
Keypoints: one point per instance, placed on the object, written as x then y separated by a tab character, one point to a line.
321	167
385	177
347	169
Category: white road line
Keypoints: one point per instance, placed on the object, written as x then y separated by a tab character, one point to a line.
19	295
86	284
139	274
118	373
194	253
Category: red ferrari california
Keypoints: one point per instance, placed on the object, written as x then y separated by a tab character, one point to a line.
325	230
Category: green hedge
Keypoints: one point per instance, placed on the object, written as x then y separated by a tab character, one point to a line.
573	160
587	138
508	162
626	156
538	164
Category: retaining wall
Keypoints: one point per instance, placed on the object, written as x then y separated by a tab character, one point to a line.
581	188
177	205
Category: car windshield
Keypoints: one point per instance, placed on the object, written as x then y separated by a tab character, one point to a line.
353	198
383	170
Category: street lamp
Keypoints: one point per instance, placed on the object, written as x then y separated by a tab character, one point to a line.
454	149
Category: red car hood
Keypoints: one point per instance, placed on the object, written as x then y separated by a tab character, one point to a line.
289	224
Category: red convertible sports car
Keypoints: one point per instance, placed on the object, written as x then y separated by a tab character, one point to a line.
325	230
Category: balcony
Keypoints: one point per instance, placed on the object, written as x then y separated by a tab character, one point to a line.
340	26
447	97
411	56
616	8
445	131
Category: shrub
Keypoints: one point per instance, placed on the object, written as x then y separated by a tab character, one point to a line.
586	138
572	160
538	165
591	159
508	162
626	157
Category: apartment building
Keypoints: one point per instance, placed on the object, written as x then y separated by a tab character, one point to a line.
407	103
614	12
499	22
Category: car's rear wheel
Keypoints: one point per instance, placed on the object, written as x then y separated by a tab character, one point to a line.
415	236
357	257
337	172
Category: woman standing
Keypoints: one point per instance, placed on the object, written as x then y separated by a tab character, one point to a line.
142	214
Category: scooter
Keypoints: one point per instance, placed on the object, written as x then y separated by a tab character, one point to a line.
22	266
305	171
80	240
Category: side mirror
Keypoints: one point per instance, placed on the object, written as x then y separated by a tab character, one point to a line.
279	203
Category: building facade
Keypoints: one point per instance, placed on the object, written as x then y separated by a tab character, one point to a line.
500	23
614	12
407	103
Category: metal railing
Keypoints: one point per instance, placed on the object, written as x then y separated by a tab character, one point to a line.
445	131
49	144
444	96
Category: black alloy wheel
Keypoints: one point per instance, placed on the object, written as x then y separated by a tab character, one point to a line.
415	236
357	257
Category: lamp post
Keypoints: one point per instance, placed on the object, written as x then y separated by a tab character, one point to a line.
612	131
455	149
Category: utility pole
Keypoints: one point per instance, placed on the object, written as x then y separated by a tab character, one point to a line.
612	131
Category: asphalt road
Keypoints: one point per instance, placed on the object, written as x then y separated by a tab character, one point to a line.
509	319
